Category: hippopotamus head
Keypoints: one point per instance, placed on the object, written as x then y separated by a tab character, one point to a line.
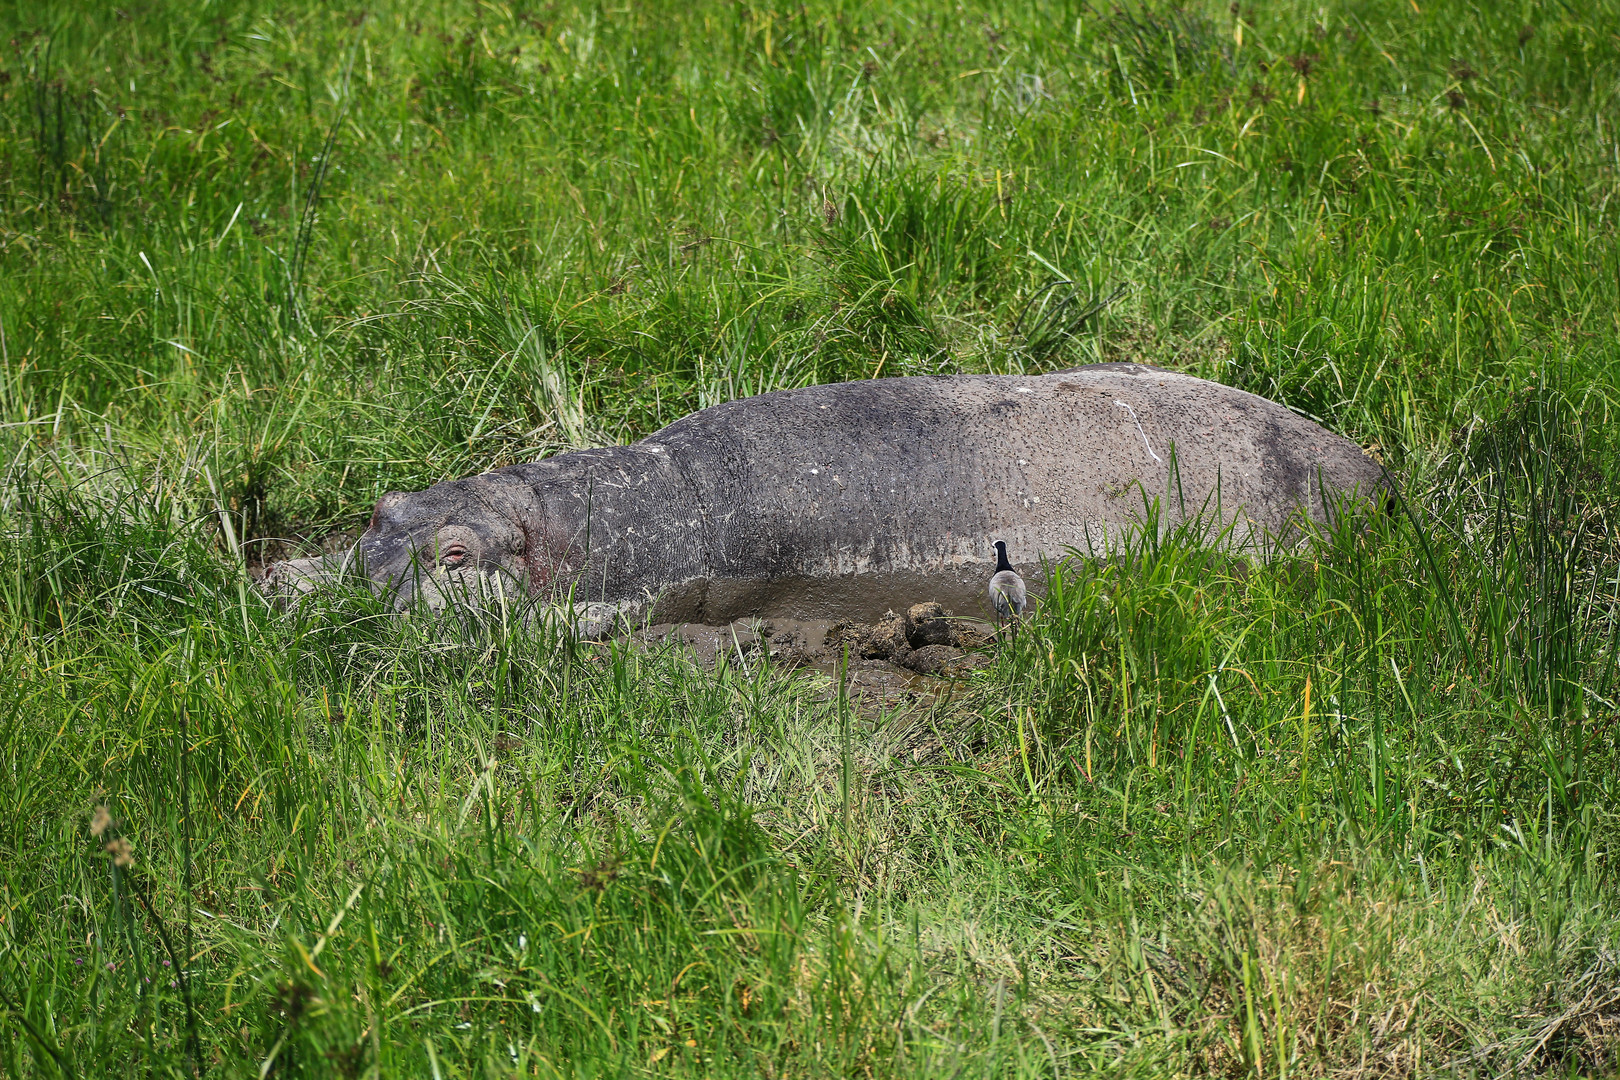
456	545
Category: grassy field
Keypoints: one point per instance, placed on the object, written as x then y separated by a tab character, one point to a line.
1347	812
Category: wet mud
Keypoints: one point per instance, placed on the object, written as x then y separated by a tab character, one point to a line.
916	657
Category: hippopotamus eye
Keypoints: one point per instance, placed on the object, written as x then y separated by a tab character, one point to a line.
453	555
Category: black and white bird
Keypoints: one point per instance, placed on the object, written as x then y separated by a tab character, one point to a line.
1006	588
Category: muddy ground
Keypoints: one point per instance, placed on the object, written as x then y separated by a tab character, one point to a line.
915	657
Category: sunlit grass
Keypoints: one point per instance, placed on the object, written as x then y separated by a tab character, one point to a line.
1348	809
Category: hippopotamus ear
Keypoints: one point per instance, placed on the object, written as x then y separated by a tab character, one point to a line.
385	506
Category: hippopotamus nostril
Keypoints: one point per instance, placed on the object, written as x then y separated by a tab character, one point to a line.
453	555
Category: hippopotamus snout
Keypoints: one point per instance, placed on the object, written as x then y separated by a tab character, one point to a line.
291	579
456	580
415	558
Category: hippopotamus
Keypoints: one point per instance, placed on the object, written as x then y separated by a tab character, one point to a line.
847	499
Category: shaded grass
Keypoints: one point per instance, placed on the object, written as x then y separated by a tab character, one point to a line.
1346	810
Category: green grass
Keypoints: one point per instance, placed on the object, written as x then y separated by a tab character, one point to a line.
1350	811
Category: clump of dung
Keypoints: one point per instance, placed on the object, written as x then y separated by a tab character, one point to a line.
926	639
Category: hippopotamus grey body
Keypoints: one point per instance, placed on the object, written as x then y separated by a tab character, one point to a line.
847	499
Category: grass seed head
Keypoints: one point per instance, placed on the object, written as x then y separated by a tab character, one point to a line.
122	852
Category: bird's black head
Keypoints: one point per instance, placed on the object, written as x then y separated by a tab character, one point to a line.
1001	557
